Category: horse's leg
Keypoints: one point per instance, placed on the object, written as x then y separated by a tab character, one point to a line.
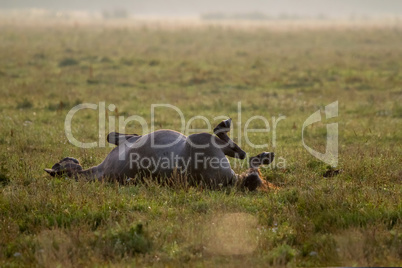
118	138
264	158
221	131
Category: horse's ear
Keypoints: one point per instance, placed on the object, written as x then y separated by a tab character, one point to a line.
51	172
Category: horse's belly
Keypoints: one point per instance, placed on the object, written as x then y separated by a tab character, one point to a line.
212	170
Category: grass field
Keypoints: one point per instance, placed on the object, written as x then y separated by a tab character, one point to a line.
353	219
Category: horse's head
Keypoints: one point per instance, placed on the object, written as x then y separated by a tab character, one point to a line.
252	178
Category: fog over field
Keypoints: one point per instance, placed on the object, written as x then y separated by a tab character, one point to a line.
305	8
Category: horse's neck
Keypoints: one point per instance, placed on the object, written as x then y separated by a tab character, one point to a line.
93	173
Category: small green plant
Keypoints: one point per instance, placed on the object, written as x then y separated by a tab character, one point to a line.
282	255
68	62
123	242
4	179
25	104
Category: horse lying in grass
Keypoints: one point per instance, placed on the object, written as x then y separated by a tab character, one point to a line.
200	158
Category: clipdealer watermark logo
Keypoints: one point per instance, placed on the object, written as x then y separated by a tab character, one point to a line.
330	156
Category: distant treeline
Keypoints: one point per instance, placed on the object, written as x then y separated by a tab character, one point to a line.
115	14
263	16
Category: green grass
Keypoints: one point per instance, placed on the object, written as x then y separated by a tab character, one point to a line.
353	219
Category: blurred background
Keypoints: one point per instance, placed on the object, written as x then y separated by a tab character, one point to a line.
210	9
